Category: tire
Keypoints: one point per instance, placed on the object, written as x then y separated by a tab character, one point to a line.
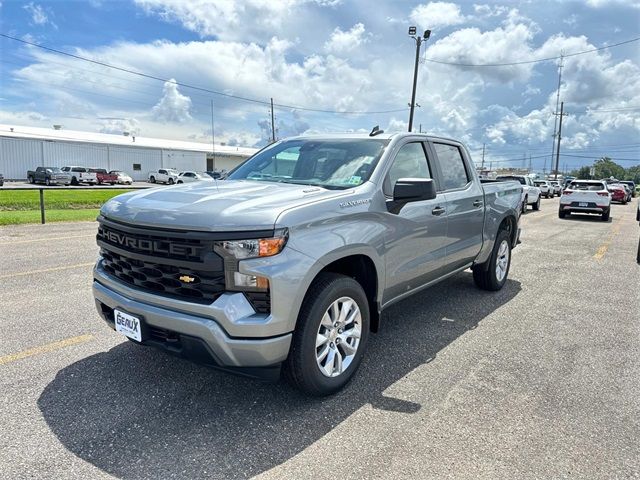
605	216
152	179
536	206
47	182
303	366
624	202
561	213
74	181
485	275
524	204
180	181
112	183
99	182
31	180
171	181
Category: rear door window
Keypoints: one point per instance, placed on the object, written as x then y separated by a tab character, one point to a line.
452	166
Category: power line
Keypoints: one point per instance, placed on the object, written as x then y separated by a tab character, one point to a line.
194	87
525	62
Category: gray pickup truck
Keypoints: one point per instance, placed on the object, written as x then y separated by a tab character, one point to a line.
291	259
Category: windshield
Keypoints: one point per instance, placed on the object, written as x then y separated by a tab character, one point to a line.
518	179
335	163
586	186
55	170
172	172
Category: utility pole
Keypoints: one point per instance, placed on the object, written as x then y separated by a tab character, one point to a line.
483	146
555	118
562	114
420	130
213	139
273	124
529	163
419	40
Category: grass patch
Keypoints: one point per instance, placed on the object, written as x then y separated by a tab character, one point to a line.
26	200
14	217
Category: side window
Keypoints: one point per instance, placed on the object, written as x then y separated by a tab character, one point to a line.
410	162
454	172
162	172
65	169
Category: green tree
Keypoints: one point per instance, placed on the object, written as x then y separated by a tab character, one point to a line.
582	173
633	173
606	168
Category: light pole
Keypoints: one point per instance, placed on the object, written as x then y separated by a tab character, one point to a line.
419	40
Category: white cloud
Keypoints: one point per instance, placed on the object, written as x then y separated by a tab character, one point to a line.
437	14
609	3
173	106
484	10
343	42
119	125
38	14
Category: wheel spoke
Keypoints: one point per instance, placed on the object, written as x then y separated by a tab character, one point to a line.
326	320
323	354
346	307
321	339
335	312
347	348
352	332
328	366
338	362
352	316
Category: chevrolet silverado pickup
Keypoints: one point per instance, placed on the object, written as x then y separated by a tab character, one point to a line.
49	176
288	263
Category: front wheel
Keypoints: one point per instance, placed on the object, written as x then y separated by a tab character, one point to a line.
330	337
152	179
31	180
524	204
492	275
171	181
47	182
180	181
561	213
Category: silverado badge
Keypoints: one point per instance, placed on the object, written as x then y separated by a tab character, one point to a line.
186	279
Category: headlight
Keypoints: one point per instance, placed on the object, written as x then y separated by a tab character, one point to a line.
235	250
259	247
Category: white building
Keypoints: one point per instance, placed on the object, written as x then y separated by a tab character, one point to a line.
25	148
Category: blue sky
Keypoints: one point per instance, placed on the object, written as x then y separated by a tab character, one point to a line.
340	56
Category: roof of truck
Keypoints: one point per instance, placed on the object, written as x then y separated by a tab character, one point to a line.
363	136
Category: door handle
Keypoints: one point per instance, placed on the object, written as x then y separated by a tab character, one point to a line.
438	211
477	203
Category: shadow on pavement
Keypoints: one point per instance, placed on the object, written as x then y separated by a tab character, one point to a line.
136	412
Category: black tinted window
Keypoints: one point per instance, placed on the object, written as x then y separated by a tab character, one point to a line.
454	173
410	162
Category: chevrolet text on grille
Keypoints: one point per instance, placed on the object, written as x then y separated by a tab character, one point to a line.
152	246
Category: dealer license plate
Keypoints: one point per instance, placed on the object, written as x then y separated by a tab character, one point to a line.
583	204
128	325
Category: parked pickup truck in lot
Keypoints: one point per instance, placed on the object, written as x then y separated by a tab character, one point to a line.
49	176
102	176
530	193
81	175
164	175
290	261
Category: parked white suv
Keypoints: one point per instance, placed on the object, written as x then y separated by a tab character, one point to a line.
545	188
586	196
190	176
164	175
530	193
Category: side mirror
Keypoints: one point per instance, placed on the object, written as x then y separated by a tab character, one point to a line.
408	190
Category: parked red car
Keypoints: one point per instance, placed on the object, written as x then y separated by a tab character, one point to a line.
618	194
104	177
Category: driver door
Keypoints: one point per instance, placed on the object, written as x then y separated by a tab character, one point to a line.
415	238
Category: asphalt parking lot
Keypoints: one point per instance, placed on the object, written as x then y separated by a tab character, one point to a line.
539	380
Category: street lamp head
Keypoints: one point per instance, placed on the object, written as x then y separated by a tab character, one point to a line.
412	30
427	34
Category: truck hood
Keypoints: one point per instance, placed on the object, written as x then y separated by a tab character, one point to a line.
230	205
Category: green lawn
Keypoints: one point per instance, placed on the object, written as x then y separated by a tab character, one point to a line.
11	200
13	217
23	206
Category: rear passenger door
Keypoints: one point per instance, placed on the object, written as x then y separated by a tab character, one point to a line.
465	204
415	236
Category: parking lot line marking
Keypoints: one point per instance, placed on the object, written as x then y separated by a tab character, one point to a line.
46	239
49	347
605	246
45	270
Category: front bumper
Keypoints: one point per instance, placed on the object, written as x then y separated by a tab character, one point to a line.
191	335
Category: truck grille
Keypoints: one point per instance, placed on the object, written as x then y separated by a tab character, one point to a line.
179	265
158	278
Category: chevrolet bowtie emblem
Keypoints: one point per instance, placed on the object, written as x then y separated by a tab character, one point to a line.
186	279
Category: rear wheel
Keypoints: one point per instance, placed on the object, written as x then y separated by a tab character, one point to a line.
180	181
47	182
152	179
330	337
605	216
561	213
536	206
171	181
524	204
74	181
492	275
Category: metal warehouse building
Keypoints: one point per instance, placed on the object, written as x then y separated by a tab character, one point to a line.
24	148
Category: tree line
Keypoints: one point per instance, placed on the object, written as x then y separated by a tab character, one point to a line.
605	167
